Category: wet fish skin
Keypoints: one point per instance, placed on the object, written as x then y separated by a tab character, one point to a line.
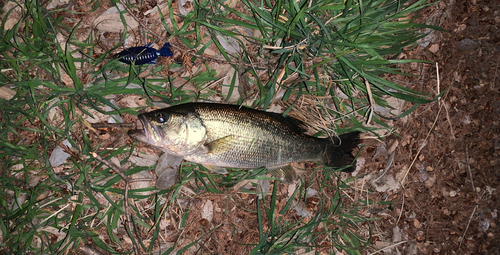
221	135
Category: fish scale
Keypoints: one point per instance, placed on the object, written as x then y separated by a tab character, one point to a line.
220	136
257	140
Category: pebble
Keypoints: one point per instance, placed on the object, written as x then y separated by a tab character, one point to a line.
467	45
453	193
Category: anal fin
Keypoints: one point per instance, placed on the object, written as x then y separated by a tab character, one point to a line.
215	169
285	173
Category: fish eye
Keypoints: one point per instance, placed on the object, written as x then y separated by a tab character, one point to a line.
161	117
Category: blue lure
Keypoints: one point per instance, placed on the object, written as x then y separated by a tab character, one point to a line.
144	55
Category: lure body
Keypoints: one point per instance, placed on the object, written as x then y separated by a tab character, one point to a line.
144	54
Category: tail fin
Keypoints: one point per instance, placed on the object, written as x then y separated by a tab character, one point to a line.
338	152
165	50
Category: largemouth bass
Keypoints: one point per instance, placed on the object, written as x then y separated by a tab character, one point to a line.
221	135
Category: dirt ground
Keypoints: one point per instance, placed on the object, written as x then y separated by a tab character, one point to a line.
445	152
450	199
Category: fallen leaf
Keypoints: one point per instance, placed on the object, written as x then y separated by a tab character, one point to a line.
208	211
110	21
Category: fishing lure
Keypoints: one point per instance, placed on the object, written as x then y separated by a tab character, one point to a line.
143	55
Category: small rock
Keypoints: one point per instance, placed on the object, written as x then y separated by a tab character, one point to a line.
6	93
55	3
417	224
396	234
446	212
300	209
467	45
457	77
453	193
493	162
359	165
412	249
208	211
34	180
420	236
311	192
434	48
110	21
460	28
430	182
412	215
15	13
58	156
384	183
438	247
381	245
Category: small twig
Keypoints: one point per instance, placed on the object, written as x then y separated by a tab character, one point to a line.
278	84
468	224
428	133
214	83
401	210
449	122
388	247
165	205
421	147
370	99
470	172
127	180
50	216
113	125
112	166
444	104
416	204
299	45
387	166
437	77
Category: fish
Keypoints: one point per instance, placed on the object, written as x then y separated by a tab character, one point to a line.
144	54
220	136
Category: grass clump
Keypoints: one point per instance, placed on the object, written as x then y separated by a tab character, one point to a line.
58	76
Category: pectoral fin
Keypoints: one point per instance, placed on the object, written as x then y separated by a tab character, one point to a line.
284	173
220	145
215	169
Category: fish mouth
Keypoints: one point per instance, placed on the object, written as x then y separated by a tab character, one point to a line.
143	130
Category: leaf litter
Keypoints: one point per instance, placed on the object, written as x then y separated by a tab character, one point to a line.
237	217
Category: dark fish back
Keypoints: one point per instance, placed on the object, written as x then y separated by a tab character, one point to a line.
139	55
144	54
240	114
